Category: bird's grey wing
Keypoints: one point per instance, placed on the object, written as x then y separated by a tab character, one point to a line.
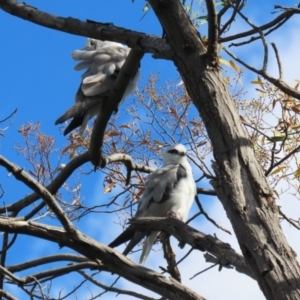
158	188
98	84
101	65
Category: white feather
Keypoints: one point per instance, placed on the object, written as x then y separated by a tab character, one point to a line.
170	189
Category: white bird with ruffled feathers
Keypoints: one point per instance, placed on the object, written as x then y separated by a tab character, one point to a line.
103	61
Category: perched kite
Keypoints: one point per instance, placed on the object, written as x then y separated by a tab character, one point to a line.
169	190
103	61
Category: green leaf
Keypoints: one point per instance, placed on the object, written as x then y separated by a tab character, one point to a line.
278	170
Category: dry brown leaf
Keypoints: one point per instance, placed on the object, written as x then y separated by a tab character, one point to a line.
109	187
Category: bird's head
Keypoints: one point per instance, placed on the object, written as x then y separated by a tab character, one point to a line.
175	154
92	44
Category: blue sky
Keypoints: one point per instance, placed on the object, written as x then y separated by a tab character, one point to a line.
38	79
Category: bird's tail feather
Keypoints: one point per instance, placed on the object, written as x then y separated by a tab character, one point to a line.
137	237
148	246
76	122
125	236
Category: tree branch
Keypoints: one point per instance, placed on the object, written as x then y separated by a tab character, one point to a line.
113	289
128	162
7	295
127	72
278	61
236	6
206	192
280	19
116	262
203	212
46	260
280	84
196	239
169	256
57	272
100	31
53	187
212	32
21	175
13	113
66	172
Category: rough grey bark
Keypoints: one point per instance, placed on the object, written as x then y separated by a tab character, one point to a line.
198	240
241	185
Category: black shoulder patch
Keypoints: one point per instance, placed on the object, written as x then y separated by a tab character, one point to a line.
180	174
115	74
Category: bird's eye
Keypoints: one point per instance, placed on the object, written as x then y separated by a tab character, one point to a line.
174	151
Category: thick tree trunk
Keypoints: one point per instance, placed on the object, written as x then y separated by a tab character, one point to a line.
241	185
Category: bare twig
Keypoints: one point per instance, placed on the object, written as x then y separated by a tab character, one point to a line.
46	260
297	149
128	162
212	31
287	218
272	159
206	192
288	9
169	255
278	61
7	246
280	19
207	216
262	133
57	272
236	6
261	34
276	82
185	256
203	271
2	191
8	274
113	289
13	113
194	217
